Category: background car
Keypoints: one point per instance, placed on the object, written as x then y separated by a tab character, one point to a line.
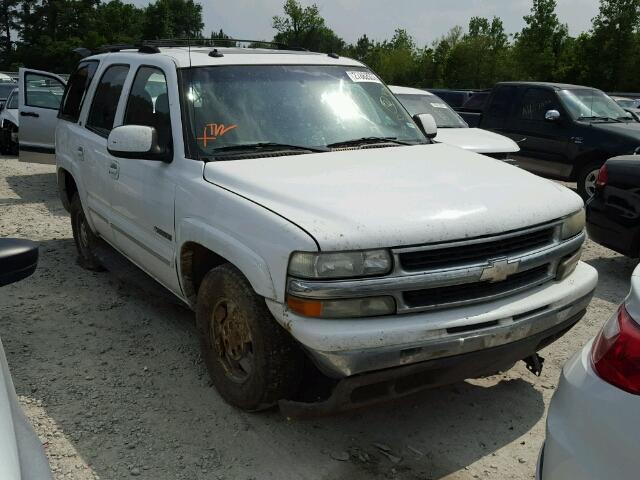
613	213
452	129
9	122
629	105
593	422
21	456
6	88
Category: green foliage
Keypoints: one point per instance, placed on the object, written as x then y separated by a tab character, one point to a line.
41	34
304	27
48	30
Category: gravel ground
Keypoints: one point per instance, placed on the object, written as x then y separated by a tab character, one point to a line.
109	372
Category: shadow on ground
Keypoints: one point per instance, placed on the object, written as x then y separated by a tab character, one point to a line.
35	188
118	369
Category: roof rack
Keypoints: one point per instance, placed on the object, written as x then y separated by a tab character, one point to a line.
153	46
219	42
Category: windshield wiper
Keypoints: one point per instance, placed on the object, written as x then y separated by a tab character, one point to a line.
584	117
366	141
271	146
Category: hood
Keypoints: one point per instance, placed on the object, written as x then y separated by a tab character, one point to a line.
477	140
631	130
395	196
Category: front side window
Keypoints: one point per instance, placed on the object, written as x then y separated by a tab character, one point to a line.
105	100
43	91
536	102
148	103
592	104
310	106
76	90
443	114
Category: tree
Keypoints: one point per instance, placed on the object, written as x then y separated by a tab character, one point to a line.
611	53
304	27
173	19
539	45
8	23
118	22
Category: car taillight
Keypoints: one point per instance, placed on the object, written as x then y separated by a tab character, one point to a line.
616	352
603	177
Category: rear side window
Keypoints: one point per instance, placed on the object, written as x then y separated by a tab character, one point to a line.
105	100
148	103
536	102
42	91
76	91
501	103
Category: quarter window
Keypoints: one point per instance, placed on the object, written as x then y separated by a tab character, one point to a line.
148	103
42	91
105	100
76	91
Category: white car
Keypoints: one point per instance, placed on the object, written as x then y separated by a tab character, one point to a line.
452	129
9	123
593	425
21	454
294	204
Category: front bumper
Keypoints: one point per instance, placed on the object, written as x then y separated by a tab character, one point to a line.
342	348
592	427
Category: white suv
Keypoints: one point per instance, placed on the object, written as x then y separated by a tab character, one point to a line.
294	204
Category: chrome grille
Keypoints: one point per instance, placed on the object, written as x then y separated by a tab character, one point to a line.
471	253
469	292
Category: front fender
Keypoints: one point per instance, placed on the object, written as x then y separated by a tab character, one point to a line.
252	266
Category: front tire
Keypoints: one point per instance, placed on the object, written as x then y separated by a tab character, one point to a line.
85	239
253	362
586	180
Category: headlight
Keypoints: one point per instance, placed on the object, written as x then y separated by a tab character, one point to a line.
573	225
340	264
349	308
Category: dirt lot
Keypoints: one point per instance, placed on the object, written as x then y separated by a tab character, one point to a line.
109	372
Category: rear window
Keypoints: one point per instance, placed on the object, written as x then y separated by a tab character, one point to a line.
105	101
76	91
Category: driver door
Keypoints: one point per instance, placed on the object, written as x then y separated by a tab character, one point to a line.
40	94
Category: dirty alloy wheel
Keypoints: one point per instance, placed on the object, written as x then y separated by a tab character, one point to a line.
85	239
253	362
587	181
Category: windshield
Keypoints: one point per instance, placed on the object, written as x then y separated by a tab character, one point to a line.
309	106
588	103
6	89
12	101
444	115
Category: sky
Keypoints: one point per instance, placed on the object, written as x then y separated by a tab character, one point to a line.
425	20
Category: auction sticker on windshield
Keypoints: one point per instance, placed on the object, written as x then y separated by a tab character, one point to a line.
357	76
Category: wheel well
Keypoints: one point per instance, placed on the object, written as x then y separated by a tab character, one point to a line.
67	187
195	263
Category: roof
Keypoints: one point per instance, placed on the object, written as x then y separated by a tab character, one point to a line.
556	86
199	56
409	91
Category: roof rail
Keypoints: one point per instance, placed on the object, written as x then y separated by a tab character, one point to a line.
218	42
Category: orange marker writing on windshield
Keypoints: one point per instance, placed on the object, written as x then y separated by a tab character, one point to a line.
214	130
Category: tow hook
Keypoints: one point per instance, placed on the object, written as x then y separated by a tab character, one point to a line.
534	364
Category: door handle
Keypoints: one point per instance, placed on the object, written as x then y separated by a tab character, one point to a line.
114	170
29	114
80	153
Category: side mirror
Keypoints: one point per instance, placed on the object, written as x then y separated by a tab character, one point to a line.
427	124
552	116
18	260
136	142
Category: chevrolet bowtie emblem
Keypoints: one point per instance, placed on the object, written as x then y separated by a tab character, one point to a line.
499	270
